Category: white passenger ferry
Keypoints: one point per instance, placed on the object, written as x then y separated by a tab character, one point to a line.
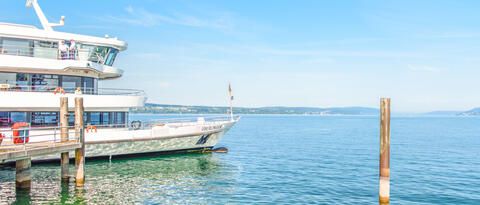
37	66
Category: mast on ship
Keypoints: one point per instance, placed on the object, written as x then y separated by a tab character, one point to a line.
41	16
230	94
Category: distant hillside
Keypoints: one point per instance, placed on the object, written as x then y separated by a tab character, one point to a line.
184	109
472	112
444	113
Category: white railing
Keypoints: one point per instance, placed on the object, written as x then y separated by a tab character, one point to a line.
53	133
52	53
190	121
42	135
14	86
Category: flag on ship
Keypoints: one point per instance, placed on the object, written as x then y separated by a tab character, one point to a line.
230	91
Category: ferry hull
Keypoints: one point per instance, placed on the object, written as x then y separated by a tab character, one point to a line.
131	143
167	145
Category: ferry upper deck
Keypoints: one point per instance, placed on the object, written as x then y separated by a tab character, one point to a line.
36	62
43	51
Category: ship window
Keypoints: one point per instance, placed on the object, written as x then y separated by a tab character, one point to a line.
44	119
99	54
95	118
8	78
20	47
105	118
23	81
43	82
119	118
70	83
4	119
111	56
45	49
95	85
89	85
18	117
71	118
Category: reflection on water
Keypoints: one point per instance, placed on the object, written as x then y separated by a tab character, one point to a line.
142	180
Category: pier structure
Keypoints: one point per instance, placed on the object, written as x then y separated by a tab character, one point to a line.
21	146
384	168
64	156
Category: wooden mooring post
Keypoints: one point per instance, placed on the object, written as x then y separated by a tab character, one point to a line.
23	153
64	156
384	188
79	152
23	177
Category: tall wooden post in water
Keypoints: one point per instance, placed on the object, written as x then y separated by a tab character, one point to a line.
23	177
384	192
80	152
64	160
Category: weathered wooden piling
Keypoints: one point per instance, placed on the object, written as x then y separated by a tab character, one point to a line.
384	188
64	156
80	152
23	177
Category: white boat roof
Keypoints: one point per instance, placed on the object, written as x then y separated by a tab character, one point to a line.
31	32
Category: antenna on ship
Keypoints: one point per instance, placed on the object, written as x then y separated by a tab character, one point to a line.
230	94
43	20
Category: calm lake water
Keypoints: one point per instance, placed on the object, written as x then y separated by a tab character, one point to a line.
285	160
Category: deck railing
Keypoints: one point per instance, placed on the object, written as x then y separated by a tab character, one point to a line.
182	121
18	87
53	133
52	53
43	135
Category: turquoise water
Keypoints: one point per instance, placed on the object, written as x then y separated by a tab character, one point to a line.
286	160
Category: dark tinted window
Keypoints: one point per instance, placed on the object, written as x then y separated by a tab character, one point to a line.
4	119
70	83
94	118
44	82
18	117
44	119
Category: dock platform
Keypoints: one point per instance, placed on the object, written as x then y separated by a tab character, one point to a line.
14	152
19	145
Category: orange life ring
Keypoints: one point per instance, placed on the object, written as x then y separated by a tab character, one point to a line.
20	134
92	128
2	136
59	90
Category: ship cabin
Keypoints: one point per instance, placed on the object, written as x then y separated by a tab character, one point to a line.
38	65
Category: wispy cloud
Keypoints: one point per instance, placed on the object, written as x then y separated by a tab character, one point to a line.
143	17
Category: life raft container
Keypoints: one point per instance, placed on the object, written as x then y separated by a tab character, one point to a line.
20	132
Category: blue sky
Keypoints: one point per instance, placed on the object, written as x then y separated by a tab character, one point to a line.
422	54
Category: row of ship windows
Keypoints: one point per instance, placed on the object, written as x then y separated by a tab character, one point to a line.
48	119
63	50
48	82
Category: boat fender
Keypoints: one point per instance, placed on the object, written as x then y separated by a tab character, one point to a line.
136	124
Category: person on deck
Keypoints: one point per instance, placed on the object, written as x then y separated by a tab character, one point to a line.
63	48
72	50
78	91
